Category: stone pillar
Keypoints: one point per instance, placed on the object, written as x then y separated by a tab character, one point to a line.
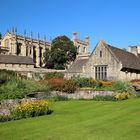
23	49
43	50
14	47
37	57
42	57
31	51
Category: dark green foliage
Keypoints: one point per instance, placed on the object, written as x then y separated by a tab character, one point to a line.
19	88
48	59
83	81
6	75
117	86
104	98
53	75
5	118
122	87
62	53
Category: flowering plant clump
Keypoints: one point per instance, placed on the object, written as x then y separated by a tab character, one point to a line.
30	109
122	96
106	83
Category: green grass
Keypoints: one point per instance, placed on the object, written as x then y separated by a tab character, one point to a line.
79	120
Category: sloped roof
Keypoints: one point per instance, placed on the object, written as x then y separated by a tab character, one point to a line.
77	65
128	60
13	59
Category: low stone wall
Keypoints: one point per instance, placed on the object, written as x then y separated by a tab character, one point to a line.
89	94
79	94
6	105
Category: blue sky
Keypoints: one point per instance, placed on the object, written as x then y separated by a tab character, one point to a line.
115	21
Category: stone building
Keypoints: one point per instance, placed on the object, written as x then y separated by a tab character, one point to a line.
18	52
81	45
10	62
108	63
12	45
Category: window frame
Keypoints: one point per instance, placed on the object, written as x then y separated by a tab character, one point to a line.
101	72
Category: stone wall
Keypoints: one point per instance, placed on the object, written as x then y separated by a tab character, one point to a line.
16	66
6	105
79	94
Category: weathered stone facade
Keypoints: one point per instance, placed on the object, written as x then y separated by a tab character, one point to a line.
81	45
107	63
12	44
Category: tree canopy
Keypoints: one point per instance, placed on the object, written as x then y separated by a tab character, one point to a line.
61	54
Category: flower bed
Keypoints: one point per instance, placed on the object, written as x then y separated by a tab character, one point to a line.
30	109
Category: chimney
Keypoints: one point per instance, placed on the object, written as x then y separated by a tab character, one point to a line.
74	36
138	49
133	49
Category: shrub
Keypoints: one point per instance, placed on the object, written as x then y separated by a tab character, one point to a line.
56	83
19	88
6	75
60	84
69	86
4	118
30	109
83	81
50	75
122	87
122	96
115	97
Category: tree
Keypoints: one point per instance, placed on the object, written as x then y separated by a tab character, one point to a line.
61	54
48	59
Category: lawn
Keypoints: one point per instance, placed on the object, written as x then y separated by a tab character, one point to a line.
79	120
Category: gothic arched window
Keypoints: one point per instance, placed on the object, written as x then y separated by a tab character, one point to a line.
7	43
100	53
19	48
